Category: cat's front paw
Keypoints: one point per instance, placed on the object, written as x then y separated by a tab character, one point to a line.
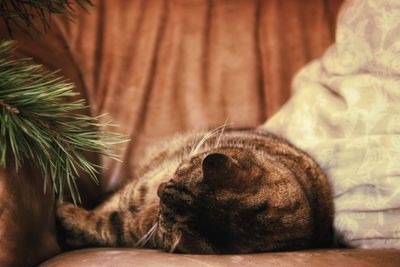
66	208
65	215
67	220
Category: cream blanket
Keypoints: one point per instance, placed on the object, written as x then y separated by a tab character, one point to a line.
345	111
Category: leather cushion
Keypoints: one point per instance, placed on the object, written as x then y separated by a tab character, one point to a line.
136	257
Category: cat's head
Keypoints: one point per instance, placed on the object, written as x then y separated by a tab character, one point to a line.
232	201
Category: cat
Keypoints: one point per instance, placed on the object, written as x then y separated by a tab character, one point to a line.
238	191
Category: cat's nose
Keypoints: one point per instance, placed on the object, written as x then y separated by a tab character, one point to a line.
161	188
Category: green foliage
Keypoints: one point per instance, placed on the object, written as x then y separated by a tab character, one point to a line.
39	126
22	13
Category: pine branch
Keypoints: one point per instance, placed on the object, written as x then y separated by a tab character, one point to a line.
38	125
22	13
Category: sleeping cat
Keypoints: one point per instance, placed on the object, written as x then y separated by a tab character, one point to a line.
237	191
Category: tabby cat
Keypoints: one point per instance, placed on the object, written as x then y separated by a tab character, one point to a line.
240	191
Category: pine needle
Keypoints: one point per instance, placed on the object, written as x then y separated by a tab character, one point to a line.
39	124
22	13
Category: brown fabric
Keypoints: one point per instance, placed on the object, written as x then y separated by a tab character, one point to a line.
26	225
160	67
152	258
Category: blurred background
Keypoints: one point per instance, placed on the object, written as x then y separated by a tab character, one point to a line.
161	67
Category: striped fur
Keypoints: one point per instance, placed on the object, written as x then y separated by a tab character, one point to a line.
237	191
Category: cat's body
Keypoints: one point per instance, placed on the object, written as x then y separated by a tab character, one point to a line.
236	192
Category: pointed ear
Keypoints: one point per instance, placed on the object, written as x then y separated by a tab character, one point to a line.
219	169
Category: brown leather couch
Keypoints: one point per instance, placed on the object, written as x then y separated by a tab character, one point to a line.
151	258
159	67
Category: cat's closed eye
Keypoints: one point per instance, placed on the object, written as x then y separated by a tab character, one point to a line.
261	208
255	210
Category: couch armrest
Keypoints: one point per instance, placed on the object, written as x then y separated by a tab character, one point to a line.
306	258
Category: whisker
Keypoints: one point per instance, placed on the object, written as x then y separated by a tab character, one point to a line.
208	135
176	242
222	132
202	141
147	237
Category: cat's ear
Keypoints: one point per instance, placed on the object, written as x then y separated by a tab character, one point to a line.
223	171
220	169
